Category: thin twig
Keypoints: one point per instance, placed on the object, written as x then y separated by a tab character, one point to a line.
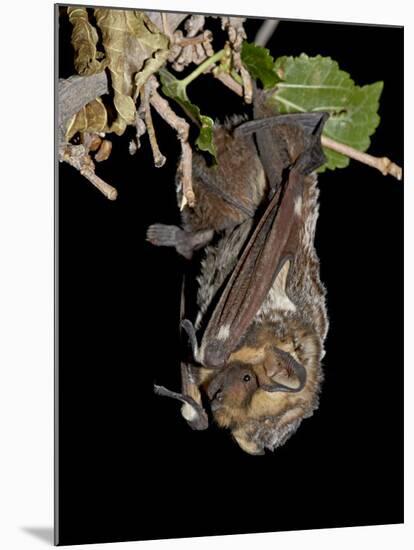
76	156
182	128
383	164
190	41
140	128
246	78
192	48
159	158
266	31
236	34
186	175
228	81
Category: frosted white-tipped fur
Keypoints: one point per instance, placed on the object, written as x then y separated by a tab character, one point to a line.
224	332
298	206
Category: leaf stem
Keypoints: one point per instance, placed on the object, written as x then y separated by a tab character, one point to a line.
235	76
383	164
201	68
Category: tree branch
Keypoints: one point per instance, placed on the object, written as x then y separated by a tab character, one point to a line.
77	156
182	128
383	164
75	92
159	158
229	81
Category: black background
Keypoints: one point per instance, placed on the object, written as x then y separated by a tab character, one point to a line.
129	466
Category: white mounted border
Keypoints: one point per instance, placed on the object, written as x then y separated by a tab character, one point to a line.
26	271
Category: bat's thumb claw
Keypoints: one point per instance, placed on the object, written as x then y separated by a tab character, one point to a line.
189	329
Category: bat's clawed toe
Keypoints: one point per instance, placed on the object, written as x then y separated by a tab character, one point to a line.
160	234
185	242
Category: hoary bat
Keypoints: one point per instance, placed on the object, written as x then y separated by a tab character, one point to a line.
256	342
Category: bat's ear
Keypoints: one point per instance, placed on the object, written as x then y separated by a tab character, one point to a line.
282	373
307	125
310	123
244	443
312	156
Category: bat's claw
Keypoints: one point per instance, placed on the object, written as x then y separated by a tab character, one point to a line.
185	242
160	234
189	329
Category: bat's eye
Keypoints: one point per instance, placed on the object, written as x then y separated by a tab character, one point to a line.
247	377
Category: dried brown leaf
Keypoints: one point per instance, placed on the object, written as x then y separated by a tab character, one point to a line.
104	151
92	118
84	41
135	48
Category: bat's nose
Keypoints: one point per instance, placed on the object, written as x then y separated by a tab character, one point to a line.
217	400
219	396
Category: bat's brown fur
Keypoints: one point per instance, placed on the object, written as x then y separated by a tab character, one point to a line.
292	317
270	418
213	211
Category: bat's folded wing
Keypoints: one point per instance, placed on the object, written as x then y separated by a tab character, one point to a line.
272	243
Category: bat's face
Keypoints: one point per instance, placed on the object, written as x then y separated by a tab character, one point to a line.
264	392
231	391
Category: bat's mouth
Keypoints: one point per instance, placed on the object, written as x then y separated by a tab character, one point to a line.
216	401
213	390
215	406
222	415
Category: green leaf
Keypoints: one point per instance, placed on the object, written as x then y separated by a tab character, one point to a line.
317	84
259	63
176	90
